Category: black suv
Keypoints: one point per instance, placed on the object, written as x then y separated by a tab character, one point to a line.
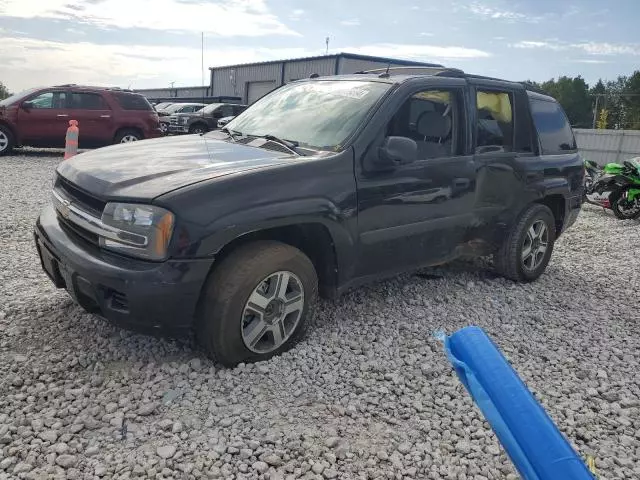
320	186
204	120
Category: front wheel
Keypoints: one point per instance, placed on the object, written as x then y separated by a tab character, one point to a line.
526	251
623	208
257	302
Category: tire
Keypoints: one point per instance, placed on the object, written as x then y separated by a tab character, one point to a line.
126	136
7	142
198	128
615	200
225	321
510	260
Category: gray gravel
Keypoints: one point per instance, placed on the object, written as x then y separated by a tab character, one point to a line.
368	394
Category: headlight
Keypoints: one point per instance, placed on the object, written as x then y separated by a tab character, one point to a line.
142	230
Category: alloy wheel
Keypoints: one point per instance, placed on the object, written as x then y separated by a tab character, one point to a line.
129	138
4	141
272	312
535	245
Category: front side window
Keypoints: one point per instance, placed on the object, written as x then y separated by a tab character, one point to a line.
553	127
428	117
320	115
49	100
494	129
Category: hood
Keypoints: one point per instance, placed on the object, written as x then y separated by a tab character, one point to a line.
149	168
189	115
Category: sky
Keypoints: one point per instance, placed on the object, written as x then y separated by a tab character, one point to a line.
150	43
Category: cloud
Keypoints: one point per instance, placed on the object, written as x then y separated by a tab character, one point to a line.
591	48
249	18
591	61
419	52
350	23
296	15
426	34
489	13
37	63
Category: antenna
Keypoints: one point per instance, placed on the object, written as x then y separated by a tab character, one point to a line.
202	65
326	40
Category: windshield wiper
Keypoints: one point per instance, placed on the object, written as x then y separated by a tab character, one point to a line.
231	133
290	144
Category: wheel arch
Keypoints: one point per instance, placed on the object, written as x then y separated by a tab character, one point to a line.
128	128
314	239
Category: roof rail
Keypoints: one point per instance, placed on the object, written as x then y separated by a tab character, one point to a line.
395	69
533	88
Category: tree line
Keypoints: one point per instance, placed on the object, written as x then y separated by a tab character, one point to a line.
613	104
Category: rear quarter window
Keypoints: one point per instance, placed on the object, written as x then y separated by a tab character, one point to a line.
131	101
553	127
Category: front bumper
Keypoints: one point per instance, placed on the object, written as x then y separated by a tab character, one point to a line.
132	293
178	129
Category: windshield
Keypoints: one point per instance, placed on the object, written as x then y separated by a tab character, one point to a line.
210	108
16	96
320	114
162	105
174	107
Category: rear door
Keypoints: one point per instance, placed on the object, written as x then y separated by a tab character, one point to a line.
45	123
503	144
94	116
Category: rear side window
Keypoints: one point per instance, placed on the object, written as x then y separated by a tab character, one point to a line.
553	127
131	101
494	132
87	101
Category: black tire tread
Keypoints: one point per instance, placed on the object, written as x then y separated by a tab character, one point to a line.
224	282
506	261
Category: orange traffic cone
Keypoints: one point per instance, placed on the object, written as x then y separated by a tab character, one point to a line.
71	140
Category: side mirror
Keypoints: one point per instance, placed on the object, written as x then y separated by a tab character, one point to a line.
27	106
396	151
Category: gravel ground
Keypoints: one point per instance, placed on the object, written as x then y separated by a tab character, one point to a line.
369	393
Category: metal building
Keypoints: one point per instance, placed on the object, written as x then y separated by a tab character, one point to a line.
251	81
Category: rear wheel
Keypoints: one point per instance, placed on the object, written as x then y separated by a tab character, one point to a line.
198	128
526	251
623	208
127	136
257	302
6	140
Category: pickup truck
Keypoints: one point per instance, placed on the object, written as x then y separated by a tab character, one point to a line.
204	120
320	186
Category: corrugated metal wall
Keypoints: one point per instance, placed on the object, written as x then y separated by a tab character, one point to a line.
232	81
303	69
604	146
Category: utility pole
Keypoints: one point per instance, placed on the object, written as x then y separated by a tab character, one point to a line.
595	112
327	42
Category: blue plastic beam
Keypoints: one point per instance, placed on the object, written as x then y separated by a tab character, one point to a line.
533	442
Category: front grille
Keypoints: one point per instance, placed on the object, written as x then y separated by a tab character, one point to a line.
76	231
79	197
173	120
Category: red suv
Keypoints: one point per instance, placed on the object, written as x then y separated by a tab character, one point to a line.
40	117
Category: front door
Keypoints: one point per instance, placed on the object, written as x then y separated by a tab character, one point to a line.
45	120
417	214
95	118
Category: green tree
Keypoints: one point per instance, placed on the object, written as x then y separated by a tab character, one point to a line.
4	92
573	95
631	102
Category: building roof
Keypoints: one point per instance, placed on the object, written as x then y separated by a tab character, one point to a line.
351	56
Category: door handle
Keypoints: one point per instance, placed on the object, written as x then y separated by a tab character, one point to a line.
62	115
105	116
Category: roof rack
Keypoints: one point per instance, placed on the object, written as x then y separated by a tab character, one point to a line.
440	71
533	88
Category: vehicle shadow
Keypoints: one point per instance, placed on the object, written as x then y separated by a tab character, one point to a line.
40	153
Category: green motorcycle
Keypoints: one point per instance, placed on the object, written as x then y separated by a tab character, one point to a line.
621	182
